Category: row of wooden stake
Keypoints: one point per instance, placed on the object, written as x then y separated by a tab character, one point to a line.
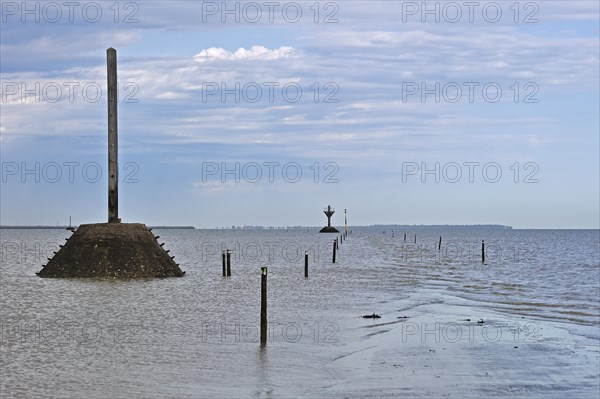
263	287
226	258
264	274
439	247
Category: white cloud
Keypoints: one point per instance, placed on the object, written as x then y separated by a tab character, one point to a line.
170	95
254	53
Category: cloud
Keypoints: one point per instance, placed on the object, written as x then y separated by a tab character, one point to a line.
369	66
254	53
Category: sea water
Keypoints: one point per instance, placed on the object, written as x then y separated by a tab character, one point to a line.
198	336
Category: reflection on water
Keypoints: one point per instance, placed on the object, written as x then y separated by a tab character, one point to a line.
263	387
198	335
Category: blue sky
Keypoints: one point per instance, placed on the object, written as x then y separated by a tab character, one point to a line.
527	156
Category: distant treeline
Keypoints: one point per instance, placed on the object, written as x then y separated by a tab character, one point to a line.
377	227
173	227
437	227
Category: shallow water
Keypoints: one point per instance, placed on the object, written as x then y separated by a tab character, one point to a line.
197	336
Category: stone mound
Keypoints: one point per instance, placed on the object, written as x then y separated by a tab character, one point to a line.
118	250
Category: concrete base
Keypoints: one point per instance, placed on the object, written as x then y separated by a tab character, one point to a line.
329	229
118	250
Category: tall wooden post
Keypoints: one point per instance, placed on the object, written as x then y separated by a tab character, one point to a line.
113	159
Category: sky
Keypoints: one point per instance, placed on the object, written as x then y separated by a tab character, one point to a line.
263	113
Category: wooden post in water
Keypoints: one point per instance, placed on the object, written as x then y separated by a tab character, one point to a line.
346	223
482	251
113	160
440	244
305	263
224	264
228	263
404	237
334	249
415	238
263	305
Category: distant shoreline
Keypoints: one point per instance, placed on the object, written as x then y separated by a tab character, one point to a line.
382	229
376	227
65	227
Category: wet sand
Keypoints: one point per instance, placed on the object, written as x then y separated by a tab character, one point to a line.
439	347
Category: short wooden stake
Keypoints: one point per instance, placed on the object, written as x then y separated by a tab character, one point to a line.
334	249
228	263
224	264
305	263
482	251
263	305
